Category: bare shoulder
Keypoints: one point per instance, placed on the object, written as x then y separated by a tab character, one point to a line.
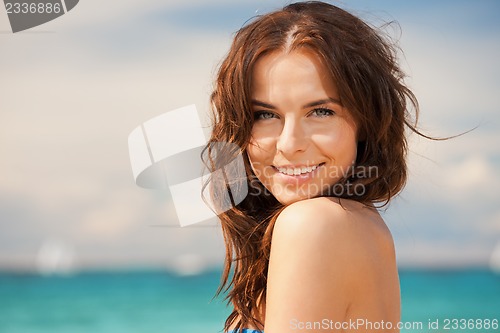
343	234
329	257
333	220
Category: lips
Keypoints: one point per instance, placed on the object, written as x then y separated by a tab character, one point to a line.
297	170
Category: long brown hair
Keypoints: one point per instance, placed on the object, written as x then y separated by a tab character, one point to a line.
370	84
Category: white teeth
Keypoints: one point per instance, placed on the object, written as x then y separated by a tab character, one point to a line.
297	171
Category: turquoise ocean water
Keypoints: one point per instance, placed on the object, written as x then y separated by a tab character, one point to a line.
158	301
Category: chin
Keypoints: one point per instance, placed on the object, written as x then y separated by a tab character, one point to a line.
287	197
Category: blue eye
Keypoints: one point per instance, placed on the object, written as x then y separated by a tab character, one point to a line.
323	112
261	115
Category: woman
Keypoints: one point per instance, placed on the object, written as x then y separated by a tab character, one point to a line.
315	99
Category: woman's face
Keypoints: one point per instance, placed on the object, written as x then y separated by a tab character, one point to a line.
303	141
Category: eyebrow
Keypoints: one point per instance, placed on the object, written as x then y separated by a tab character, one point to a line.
308	105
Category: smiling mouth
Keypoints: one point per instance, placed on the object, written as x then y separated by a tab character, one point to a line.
297	171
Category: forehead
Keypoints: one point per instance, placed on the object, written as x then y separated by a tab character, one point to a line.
301	68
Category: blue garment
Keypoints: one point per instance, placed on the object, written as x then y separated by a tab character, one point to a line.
245	330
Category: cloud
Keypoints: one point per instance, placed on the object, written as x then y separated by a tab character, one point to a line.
473	176
71	97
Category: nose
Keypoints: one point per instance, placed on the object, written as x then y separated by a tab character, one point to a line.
292	138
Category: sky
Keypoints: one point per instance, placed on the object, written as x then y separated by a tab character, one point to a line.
73	89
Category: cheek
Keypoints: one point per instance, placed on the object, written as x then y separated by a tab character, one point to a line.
341	144
257	156
261	148
260	153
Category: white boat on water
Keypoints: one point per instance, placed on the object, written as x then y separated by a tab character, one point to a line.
55	258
